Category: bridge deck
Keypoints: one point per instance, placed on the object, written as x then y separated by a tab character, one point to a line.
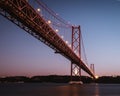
23	15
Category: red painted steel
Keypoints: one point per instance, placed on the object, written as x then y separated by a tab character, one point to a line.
23	15
92	67
76	47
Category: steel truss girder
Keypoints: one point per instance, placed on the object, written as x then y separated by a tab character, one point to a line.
23	15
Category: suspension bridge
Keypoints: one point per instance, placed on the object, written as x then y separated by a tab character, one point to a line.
48	27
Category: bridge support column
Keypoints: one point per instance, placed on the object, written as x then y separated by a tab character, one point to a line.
76	47
75	72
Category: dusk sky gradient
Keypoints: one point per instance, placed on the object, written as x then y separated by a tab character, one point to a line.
23	55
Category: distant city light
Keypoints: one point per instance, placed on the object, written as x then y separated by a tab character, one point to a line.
38	10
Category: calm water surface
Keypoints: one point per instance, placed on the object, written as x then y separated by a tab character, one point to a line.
52	89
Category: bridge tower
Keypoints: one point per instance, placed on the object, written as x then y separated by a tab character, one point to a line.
76	47
92	68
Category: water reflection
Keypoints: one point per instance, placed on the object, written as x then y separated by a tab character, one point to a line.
74	91
70	90
79	90
97	90
40	89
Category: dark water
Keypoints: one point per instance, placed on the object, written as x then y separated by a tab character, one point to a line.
51	89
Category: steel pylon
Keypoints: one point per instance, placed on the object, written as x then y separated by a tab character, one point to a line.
76	47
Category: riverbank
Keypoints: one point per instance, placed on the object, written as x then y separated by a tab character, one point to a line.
60	79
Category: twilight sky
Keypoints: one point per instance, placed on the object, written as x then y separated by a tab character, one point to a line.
22	54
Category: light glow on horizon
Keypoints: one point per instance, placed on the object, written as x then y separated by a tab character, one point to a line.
96	77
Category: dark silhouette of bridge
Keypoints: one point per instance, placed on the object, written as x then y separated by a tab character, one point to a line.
35	23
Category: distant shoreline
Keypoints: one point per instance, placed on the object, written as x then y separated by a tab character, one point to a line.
60	79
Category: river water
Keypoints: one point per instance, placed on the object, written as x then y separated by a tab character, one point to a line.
52	89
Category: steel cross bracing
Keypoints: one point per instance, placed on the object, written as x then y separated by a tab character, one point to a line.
76	42
23	15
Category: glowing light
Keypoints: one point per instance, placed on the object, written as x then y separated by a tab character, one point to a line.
49	22
66	42
76	71
96	77
38	10
56	30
